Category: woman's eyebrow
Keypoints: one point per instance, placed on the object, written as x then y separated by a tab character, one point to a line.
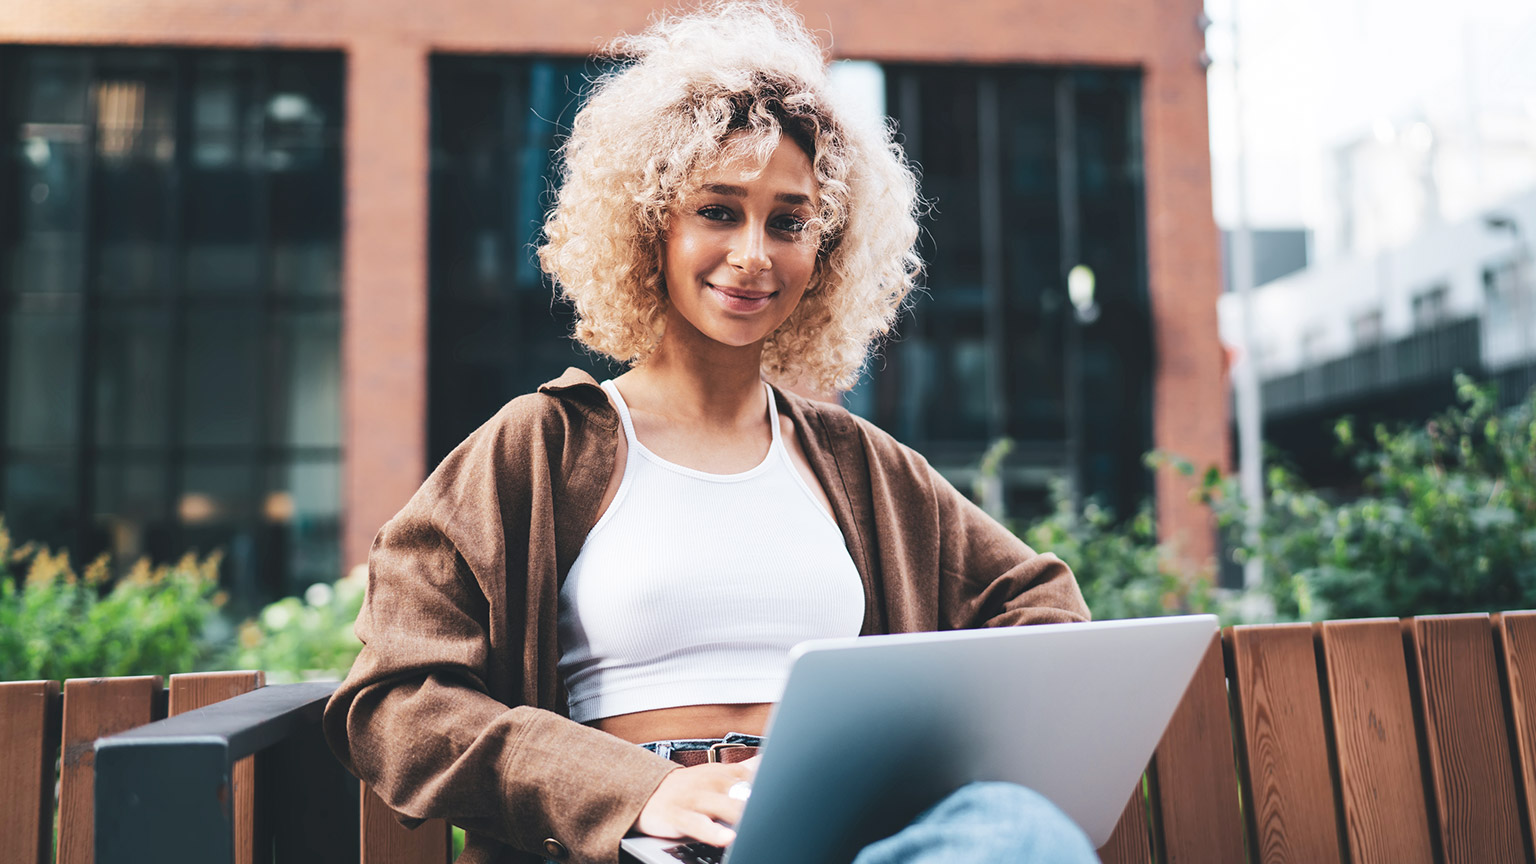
741	192
726	189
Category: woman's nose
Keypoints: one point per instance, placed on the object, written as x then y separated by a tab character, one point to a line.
749	252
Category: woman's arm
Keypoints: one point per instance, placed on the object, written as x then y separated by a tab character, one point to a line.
991	578
943	563
433	713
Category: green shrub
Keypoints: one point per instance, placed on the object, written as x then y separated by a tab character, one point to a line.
1446	523
1123	570
296	639
55	624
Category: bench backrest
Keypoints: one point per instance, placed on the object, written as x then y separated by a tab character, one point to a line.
1365	741
1380	740
47	736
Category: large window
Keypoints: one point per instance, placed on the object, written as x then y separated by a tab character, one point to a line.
170	273
1033	171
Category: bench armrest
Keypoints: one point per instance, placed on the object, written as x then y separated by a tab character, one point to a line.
163	790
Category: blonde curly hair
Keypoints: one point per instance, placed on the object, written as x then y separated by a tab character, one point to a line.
751	72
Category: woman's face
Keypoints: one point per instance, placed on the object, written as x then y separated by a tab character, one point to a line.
737	255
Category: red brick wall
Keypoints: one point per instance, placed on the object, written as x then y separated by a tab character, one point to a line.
385	273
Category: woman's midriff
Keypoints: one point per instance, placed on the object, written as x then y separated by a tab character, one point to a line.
687	721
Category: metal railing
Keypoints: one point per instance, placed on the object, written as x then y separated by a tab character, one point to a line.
1416	359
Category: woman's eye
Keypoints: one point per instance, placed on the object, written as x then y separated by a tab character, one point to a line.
715	213
790	224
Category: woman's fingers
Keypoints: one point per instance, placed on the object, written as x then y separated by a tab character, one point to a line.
690	800
721	806
704	829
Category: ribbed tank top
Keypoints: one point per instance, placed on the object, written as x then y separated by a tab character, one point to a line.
692	587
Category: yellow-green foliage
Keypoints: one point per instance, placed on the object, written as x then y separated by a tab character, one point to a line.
55	623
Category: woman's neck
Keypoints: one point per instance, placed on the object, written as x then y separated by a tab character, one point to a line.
723	394
700	381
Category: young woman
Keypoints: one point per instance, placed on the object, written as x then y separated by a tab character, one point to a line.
605	566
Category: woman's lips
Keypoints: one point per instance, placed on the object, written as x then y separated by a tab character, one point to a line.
740	299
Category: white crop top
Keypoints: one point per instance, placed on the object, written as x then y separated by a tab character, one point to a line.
692	587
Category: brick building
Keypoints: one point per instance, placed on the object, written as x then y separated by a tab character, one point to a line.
264	262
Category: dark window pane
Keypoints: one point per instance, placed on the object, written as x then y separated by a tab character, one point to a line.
219	511
1036	303
306	515
43	384
221	378
133	378
302	145
311	396
40	498
1117	355
223	189
951	157
132	507
49	98
469	240
134	98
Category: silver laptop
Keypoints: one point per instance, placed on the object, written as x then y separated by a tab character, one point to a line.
873	730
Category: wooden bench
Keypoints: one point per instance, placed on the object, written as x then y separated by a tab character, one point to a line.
237	767
1350	741
1385	740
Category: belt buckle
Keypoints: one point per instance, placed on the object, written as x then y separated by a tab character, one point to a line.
715	748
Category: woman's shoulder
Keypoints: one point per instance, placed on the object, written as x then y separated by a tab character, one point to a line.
561	406
853	440
563	419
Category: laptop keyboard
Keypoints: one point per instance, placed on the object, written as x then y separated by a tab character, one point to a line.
697	853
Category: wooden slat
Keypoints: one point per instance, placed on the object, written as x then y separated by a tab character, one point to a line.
1130	843
194	690
1469	755
386	841
29	744
93	708
1287	781
1517	639
1195	792
1381	782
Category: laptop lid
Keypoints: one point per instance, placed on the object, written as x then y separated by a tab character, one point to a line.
874	729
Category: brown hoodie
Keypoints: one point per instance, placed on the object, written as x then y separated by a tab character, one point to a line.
454	708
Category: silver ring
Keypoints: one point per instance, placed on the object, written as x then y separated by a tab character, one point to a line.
741	790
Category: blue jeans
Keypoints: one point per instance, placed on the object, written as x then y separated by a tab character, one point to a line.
997	823
994	823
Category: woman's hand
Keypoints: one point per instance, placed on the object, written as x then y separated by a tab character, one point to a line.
689	800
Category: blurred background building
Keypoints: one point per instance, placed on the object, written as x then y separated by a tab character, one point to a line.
1388	152
264	264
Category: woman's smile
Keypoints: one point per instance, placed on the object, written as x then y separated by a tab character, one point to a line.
742	300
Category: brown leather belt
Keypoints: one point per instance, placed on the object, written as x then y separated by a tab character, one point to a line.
723	753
